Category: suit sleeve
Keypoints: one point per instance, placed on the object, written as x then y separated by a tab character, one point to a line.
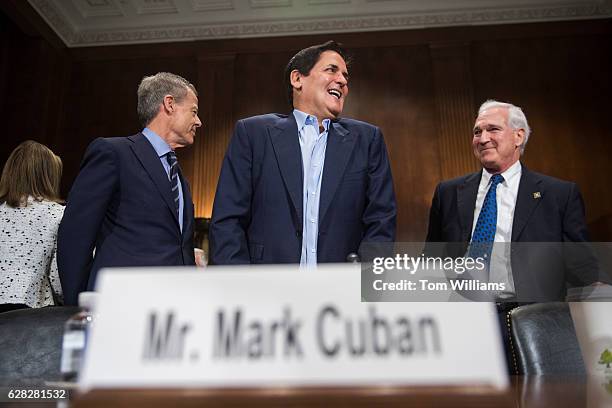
87	203
380	213
232	207
574	224
580	260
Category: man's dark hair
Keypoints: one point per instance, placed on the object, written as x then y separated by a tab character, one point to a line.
304	60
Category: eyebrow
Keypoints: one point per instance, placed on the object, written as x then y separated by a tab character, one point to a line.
334	66
487	126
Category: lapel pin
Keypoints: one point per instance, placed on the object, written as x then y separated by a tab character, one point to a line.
537	195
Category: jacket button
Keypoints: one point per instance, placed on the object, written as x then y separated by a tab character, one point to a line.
298	234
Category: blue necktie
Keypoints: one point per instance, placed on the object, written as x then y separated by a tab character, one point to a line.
172	161
484	232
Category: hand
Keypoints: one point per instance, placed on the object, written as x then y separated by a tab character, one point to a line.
200	257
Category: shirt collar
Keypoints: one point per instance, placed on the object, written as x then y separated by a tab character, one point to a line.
300	118
510	172
159	144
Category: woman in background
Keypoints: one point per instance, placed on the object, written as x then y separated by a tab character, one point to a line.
30	213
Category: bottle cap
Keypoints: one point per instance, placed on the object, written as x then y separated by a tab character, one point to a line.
87	300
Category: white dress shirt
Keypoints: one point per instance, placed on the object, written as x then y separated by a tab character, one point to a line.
507	191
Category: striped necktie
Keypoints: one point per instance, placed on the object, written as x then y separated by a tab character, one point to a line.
173	162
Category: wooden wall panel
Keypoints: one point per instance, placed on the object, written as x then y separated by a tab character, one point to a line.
31	88
259	85
563	86
216	79
455	107
33	74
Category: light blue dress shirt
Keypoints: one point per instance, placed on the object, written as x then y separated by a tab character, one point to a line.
312	145
162	148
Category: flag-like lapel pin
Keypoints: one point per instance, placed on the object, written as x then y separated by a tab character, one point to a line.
537	195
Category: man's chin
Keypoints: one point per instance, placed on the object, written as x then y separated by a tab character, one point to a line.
487	158
187	141
488	163
491	167
334	114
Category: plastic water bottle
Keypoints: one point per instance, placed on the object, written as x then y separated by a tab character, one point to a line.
75	337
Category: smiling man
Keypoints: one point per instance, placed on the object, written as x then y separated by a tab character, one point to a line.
307	187
130	201
506	202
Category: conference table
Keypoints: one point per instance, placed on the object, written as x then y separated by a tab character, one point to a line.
524	391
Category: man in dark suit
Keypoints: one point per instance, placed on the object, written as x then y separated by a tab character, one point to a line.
306	187
130	205
528	208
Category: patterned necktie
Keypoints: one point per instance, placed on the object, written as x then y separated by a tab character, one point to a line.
172	161
484	232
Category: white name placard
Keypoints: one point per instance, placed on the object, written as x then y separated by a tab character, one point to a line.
279	326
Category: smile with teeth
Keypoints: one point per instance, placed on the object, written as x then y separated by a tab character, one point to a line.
335	92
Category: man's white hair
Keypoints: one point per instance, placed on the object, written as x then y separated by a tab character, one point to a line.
516	117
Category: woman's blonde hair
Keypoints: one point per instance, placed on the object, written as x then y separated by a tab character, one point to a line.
34	170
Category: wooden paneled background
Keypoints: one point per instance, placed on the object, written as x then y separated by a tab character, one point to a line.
422	87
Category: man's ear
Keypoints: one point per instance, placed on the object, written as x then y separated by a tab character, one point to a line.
169	103
520	137
296	79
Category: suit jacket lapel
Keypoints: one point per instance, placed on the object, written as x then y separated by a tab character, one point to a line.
466	201
284	138
340	144
526	202
150	161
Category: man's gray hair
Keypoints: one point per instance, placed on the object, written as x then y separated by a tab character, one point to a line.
153	89
516	117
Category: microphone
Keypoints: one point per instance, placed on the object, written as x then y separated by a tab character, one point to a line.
352	258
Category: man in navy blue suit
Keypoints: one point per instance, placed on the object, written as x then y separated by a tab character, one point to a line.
529	208
307	187
130	205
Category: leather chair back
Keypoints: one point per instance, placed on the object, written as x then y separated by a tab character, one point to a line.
31	344
544	340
